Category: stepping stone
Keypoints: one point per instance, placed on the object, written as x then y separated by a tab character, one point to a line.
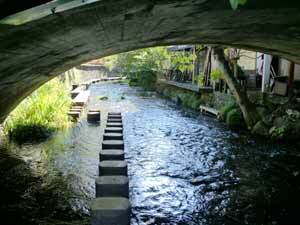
113	144
94	110
114	125
111	155
113	167
114	120
74	115
110	211
75	110
76	107
112	186
115	113
113	130
112	136
114	117
93	116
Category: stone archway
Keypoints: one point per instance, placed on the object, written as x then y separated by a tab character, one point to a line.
41	43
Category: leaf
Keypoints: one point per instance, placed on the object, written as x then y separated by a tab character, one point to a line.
234	4
242	2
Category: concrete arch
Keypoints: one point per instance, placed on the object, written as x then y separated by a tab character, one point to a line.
40	43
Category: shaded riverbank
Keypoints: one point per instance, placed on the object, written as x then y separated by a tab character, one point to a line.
184	168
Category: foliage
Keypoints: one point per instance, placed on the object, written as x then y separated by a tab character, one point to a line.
102	98
234	118
142	67
226	109
147	80
42	113
181	60
216	74
200	80
278	133
150	59
235	3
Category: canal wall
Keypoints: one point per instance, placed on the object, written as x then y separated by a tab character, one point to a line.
193	99
229	111
280	116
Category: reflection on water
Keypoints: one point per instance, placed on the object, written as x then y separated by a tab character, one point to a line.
183	168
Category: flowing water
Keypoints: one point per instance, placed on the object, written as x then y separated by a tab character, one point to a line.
184	168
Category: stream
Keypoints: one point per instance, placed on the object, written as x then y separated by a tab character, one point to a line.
184	169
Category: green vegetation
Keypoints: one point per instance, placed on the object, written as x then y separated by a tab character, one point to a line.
144	66
187	99
123	81
200	80
232	115
226	109
234	118
235	3
39	115
102	98
216	74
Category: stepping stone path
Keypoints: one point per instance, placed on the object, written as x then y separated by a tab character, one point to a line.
112	206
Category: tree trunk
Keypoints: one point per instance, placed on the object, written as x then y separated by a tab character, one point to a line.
207	67
248	109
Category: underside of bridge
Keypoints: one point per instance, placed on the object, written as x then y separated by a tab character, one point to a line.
40	43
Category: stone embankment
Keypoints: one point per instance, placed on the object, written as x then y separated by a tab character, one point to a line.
280	116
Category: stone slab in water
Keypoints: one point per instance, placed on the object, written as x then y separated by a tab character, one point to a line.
119	120
113	130
94	110
113	136
112	186
114	113
113	144
112	168
74	115
114	125
114	117
75	110
111	155
110	211
76	107
93	116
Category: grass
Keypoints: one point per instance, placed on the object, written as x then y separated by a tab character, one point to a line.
40	114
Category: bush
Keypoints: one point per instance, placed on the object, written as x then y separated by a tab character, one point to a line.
226	109
147	80
39	115
234	118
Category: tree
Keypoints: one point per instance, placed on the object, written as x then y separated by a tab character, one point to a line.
248	108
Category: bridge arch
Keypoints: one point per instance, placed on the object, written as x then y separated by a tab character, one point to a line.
40	43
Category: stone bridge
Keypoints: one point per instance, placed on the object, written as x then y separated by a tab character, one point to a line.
40	43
